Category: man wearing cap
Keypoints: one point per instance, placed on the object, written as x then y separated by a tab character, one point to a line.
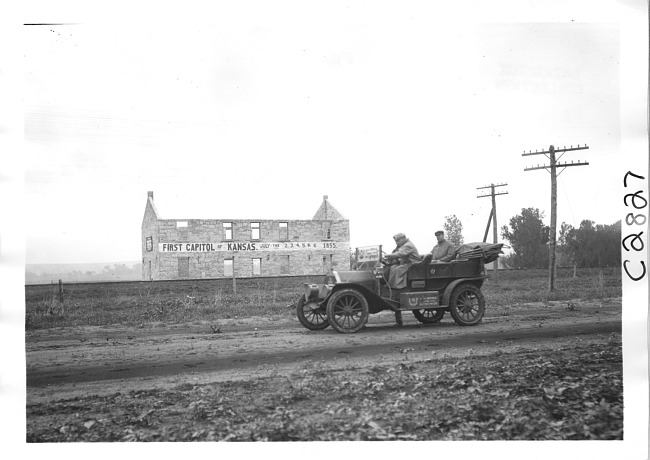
444	251
405	254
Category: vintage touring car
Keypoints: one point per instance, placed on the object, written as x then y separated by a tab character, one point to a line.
346	298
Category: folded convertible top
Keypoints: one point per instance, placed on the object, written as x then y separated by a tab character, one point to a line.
488	251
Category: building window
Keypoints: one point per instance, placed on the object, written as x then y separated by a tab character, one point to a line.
284	231
227	230
181	226
149	243
255	230
227	267
257	267
327	230
284	265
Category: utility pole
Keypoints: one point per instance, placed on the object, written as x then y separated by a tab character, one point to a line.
493	219
552	169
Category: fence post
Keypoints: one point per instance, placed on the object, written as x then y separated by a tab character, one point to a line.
60	291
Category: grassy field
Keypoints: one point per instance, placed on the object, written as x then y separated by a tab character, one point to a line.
170	302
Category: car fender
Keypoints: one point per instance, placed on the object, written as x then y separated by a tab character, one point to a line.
364	290
375	302
476	281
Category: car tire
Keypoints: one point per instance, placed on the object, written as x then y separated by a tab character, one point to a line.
312	316
467	305
429	315
347	310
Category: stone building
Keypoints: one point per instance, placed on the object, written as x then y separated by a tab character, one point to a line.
220	248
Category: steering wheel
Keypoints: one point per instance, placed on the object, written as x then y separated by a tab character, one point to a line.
384	261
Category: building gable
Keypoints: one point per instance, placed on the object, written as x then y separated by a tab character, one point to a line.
327	212
150	211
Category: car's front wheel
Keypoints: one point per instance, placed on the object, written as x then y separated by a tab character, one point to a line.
347	310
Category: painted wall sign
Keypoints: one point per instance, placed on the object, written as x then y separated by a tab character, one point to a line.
246	247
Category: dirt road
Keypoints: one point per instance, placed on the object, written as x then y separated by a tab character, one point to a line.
66	363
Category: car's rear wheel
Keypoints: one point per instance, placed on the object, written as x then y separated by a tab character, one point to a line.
347	310
311	315
467	305
429	315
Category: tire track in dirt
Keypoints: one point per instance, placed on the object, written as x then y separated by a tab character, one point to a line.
279	354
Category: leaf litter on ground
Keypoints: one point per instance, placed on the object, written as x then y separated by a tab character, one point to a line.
528	394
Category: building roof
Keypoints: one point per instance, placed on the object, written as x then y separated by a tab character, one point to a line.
327	212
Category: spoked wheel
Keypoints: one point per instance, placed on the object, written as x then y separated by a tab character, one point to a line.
311	315
467	305
429	315
347	310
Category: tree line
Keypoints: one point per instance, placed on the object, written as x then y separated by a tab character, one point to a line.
589	245
72	273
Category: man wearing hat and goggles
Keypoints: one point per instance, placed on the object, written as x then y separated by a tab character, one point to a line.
404	254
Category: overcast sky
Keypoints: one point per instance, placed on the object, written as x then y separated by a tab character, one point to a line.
258	109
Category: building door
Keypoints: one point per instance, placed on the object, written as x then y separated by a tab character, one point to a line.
183	267
150	273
